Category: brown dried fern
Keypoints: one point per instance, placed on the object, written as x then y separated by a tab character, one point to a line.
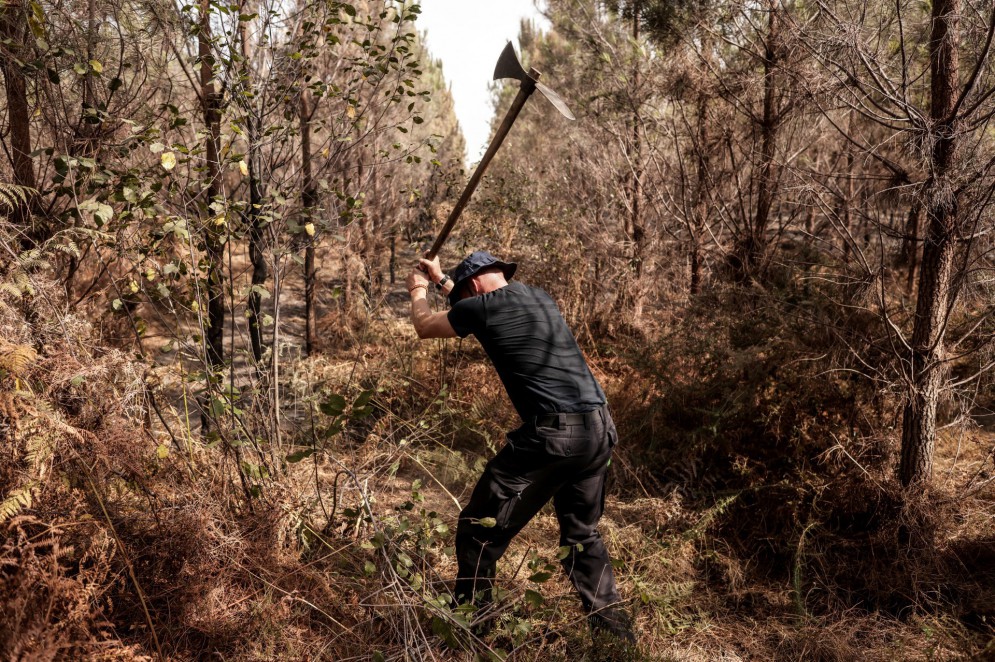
16	359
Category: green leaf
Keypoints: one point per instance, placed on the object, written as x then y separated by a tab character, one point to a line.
563	552
540	577
261	291
293	458
103	214
218	407
369	568
334	428
363	398
534	598
488	522
333	406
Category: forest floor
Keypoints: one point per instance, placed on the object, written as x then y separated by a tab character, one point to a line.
745	524
695	594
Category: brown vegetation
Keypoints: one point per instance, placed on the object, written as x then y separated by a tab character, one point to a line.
769	228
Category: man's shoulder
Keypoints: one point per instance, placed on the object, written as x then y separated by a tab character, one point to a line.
518	287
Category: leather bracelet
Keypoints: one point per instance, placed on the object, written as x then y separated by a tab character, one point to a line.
417	287
442	281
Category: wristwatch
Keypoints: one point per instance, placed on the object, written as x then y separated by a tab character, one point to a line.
442	282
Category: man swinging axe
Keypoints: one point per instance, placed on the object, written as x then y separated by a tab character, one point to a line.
562	449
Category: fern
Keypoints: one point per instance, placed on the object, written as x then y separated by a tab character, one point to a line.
13	196
11	289
16	501
15	359
41	447
34	423
69	248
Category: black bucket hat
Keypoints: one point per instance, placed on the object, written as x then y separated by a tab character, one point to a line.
474	264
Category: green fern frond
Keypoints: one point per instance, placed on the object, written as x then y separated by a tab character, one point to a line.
31	258
11	289
41	447
23	282
16	501
69	248
12	195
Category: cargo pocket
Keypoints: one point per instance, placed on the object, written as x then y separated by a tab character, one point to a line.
506	507
601	499
612	436
558	442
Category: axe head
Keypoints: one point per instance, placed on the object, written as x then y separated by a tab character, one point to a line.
508	66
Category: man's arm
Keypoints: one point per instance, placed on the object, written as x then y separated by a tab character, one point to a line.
428	324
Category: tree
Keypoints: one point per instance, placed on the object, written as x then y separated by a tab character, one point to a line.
937	292
881	82
14	35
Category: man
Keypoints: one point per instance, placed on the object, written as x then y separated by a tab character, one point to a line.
561	450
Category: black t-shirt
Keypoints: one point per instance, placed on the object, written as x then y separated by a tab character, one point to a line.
535	354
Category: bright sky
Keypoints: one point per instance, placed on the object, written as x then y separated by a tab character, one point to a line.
468	36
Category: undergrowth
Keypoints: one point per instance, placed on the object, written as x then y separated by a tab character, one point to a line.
753	511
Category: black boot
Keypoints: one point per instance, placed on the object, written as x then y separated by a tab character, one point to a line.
612	626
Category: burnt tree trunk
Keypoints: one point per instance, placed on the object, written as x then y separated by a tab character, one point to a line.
936	293
257	241
213	231
309	198
14	30
636	221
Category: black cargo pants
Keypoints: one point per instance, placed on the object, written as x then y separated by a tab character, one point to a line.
560	459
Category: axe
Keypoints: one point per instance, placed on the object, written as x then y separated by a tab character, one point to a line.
507	66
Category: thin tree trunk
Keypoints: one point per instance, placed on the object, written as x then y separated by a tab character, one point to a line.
14	28
910	244
701	212
88	129
936	294
846	215
753	246
309	198
635	188
212	230
393	256
257	255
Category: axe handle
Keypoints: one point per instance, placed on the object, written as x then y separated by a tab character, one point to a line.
524	92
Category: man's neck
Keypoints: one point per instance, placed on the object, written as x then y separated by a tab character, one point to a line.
491	284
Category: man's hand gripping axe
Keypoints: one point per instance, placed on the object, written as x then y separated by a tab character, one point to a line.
507	66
